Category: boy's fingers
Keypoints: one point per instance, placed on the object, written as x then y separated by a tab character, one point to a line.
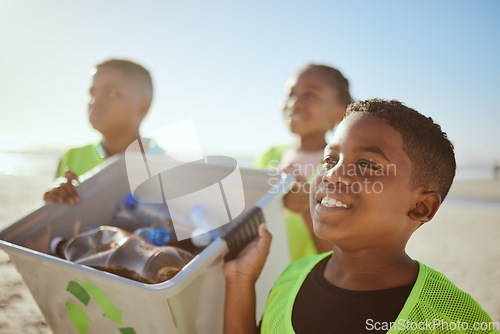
301	180
65	192
265	238
50	196
261	243
295	172
288	169
251	245
70	176
263	231
68	193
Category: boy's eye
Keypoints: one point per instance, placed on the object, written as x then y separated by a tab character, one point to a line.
309	95
329	162
369	166
112	93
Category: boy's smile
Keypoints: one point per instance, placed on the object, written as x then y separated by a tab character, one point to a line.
361	196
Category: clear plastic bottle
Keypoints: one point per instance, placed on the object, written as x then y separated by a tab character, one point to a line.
204	233
132	214
114	250
97	241
146	263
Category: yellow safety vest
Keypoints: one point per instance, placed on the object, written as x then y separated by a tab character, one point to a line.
435	304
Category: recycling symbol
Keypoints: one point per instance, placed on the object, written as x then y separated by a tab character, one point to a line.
84	292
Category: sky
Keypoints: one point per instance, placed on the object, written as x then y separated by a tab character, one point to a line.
224	64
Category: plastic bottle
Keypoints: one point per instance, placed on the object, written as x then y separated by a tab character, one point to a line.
99	240
132	214
156	237
146	263
115	250
203	234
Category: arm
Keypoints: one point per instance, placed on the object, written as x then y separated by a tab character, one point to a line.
64	191
241	275
297	201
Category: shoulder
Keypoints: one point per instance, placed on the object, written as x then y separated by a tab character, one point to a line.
79	150
298	270
270	158
439	298
80	159
278	311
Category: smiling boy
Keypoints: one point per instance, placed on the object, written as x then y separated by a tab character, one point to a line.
385	173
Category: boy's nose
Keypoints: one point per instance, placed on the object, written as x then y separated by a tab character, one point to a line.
338	174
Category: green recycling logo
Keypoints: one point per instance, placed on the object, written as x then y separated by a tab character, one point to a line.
84	291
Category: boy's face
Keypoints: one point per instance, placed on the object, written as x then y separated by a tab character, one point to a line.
115	103
361	196
312	105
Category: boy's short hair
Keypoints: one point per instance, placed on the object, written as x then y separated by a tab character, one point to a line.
135	72
428	147
335	78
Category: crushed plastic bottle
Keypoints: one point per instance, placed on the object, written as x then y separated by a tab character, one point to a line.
122	253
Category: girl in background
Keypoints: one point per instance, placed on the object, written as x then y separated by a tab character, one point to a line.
316	100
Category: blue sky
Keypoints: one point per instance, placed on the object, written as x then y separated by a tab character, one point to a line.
224	64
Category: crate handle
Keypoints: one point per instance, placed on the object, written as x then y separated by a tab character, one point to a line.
243	231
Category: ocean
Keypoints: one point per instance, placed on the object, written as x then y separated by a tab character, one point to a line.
42	164
28	163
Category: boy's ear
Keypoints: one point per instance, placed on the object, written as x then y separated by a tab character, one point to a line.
426	207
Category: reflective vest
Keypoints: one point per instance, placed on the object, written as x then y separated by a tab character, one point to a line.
435	304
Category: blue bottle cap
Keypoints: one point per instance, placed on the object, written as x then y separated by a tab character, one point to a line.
130	201
160	237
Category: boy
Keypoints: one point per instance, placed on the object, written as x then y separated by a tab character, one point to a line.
384	174
120	97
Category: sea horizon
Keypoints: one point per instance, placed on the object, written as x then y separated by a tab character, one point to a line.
40	162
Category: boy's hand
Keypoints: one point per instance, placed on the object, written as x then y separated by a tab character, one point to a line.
297	199
241	275
250	261
64	190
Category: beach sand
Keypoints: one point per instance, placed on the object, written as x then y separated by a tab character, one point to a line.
461	242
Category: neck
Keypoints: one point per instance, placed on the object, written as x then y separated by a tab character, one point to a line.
117	143
312	142
370	270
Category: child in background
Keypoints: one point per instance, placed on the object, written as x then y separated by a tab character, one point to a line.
120	97
316	101
380	181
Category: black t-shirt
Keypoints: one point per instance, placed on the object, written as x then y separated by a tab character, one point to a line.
322	308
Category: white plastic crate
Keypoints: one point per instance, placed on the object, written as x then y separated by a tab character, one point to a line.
78	299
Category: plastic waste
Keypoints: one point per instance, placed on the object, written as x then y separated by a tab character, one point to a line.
132	214
154	236
204	233
122	253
